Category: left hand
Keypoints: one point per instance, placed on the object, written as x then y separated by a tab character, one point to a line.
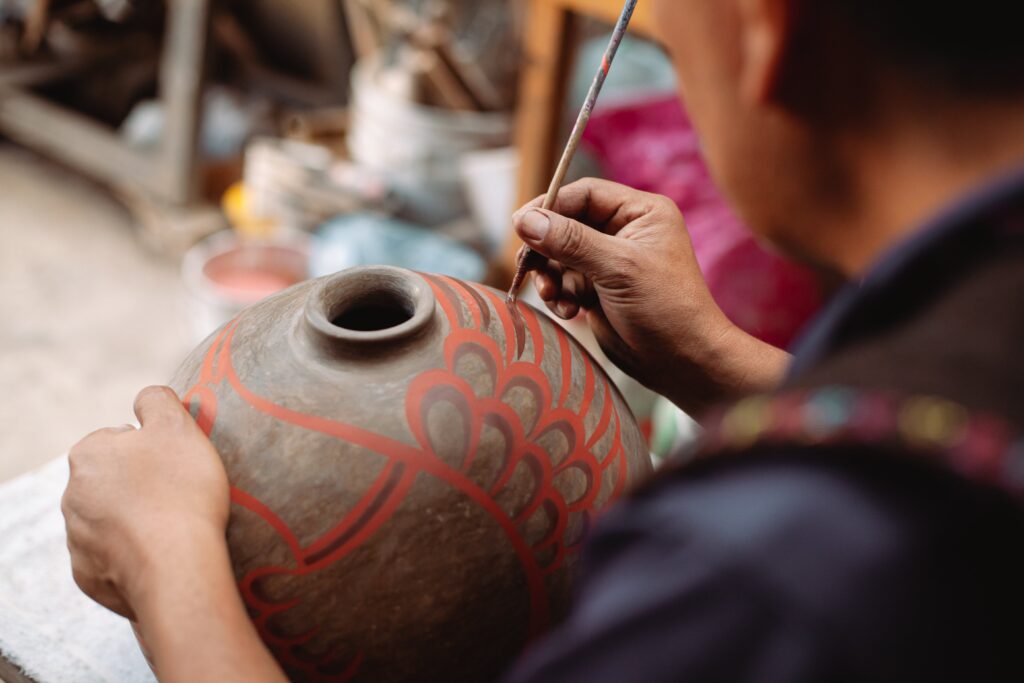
138	499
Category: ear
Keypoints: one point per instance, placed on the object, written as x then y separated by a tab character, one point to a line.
767	29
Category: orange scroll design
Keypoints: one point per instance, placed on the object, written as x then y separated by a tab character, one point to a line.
470	311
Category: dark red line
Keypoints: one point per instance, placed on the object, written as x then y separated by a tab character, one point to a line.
443	291
350	671
533	324
443	301
606	414
588	384
506	313
484	319
357	510
253	504
516	314
620	483
206	373
206	413
378	501
418	460
566	351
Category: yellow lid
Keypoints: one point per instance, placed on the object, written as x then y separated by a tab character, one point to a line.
237	207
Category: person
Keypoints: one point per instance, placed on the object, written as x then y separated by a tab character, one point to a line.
856	515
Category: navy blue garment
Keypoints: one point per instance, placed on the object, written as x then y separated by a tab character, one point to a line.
841	564
784	570
997	202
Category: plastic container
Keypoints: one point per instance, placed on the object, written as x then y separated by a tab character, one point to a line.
225	274
420	147
490	180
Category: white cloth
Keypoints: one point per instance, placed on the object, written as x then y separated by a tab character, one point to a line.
48	628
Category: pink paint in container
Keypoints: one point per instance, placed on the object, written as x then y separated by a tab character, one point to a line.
225	274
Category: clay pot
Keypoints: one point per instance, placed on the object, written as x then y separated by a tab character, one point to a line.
414	465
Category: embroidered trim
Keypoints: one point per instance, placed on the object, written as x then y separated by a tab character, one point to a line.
977	446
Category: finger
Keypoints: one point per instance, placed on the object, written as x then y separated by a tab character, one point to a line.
548	281
566	309
610	341
553	306
564	305
159	405
545	286
574	245
604	205
104	432
67	508
577	289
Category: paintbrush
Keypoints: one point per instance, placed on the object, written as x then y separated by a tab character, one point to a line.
528	259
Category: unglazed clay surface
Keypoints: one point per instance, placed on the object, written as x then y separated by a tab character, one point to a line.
408	502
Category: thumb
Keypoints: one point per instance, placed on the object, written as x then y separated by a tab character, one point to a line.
158	405
569	242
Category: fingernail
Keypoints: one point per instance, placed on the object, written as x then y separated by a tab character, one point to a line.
534	226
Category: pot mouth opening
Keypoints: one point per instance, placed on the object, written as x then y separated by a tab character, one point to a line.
369	307
375	311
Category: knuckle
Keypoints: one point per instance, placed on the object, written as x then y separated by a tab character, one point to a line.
625	267
84	453
66	504
155	392
83	579
665	207
159	407
590	183
578	188
75	454
573	240
574	198
660	201
76	457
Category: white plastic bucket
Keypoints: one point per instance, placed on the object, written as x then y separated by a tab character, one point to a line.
419	147
224	275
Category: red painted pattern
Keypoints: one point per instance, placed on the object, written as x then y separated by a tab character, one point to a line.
469	311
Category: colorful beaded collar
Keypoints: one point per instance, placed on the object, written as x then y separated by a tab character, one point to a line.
977	446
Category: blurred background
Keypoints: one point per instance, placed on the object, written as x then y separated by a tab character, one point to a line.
165	163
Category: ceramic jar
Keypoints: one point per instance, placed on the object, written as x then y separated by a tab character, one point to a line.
414	465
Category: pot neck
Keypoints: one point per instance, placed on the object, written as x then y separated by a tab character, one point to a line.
364	312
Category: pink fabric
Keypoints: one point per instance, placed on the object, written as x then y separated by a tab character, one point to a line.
652	146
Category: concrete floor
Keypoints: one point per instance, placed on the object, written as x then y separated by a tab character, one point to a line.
87	316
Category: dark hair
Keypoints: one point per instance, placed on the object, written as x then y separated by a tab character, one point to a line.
973	48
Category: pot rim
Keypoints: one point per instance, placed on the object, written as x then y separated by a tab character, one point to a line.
364	287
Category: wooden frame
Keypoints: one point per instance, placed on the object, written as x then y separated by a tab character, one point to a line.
551	29
168	174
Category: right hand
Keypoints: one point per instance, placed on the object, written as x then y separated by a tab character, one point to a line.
625	258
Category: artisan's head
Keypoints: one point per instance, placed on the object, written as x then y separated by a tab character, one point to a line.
792	97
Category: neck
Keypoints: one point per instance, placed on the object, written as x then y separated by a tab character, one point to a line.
918	167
